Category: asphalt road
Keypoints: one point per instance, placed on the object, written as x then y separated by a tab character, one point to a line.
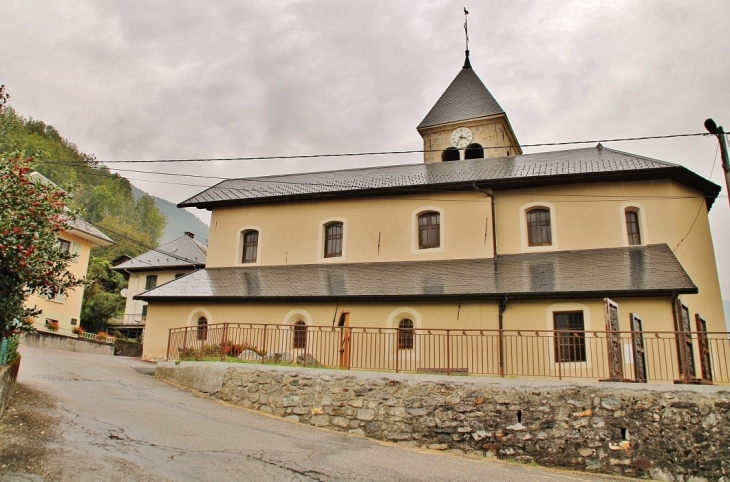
89	417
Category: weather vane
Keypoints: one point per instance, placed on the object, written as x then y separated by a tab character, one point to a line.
466	30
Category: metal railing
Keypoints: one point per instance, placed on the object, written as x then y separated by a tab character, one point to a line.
680	357
95	337
130	319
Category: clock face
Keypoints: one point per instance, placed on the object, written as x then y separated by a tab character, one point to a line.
461	137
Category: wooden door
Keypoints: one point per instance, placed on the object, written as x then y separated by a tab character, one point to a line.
704	346
685	350
345	335
639	350
613	341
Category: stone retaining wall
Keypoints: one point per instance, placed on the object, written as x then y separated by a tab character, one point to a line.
665	432
56	341
8	375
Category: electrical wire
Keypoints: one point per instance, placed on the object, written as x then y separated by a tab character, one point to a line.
410	151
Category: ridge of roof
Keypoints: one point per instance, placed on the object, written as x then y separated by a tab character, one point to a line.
465	98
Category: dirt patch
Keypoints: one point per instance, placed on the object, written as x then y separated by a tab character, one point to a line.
25	430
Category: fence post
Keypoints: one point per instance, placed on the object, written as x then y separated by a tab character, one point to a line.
501	352
306	342
224	335
448	352
558	355
169	339
263	348
397	350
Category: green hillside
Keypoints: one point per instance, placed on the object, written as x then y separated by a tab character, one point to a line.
178	220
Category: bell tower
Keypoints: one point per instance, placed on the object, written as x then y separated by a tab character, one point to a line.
467	122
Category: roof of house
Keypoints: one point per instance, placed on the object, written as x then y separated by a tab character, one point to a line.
591	164
183	252
632	271
465	98
94	234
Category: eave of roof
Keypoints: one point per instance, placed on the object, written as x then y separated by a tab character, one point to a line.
181	253
620	272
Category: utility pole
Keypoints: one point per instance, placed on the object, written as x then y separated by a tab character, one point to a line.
716	130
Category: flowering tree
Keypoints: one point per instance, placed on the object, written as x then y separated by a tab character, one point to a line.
31	261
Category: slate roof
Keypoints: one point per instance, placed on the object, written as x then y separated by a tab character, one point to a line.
184	252
591	164
465	98
81	225
633	271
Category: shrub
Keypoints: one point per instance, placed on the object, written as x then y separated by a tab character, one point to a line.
77	330
52	325
103	336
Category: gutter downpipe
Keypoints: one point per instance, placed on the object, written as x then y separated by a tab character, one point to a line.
502	307
502	302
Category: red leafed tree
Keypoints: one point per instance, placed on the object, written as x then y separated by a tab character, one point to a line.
31	261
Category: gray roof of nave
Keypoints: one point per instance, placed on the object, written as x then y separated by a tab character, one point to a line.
465	98
632	271
589	164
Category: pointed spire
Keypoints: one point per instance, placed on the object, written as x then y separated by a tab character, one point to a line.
467	64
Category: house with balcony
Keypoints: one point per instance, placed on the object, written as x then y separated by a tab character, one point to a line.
481	259
64	310
153	268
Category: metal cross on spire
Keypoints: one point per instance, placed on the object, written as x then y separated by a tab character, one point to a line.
467	65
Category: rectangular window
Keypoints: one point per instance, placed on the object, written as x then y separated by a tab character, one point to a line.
74	321
250	246
150	282
570	343
144	312
538	228
333	240
75	251
429	231
64	246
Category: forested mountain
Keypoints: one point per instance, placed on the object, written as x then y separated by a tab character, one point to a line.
178	220
105	199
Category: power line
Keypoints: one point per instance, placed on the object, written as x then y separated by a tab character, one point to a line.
411	151
149	248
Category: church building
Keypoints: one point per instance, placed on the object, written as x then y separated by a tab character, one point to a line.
479	239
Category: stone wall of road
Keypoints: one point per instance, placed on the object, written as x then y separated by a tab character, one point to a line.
8	375
55	341
665	432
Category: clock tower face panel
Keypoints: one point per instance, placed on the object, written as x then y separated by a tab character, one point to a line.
492	134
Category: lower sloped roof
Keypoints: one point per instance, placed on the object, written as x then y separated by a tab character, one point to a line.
631	271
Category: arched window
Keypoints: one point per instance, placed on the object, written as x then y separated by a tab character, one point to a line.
300	335
250	246
429	230
202	328
538	227
333	240
632	227
450	154
474	151
405	334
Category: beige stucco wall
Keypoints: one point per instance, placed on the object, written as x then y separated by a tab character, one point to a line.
492	132
70	307
526	350
292	233
591	216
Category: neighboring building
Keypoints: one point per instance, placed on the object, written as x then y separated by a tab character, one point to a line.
78	240
493	239
154	268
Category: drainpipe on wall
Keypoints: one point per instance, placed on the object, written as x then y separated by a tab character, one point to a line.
494	219
502	308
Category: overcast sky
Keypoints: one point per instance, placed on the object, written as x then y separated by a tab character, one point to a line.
183	79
